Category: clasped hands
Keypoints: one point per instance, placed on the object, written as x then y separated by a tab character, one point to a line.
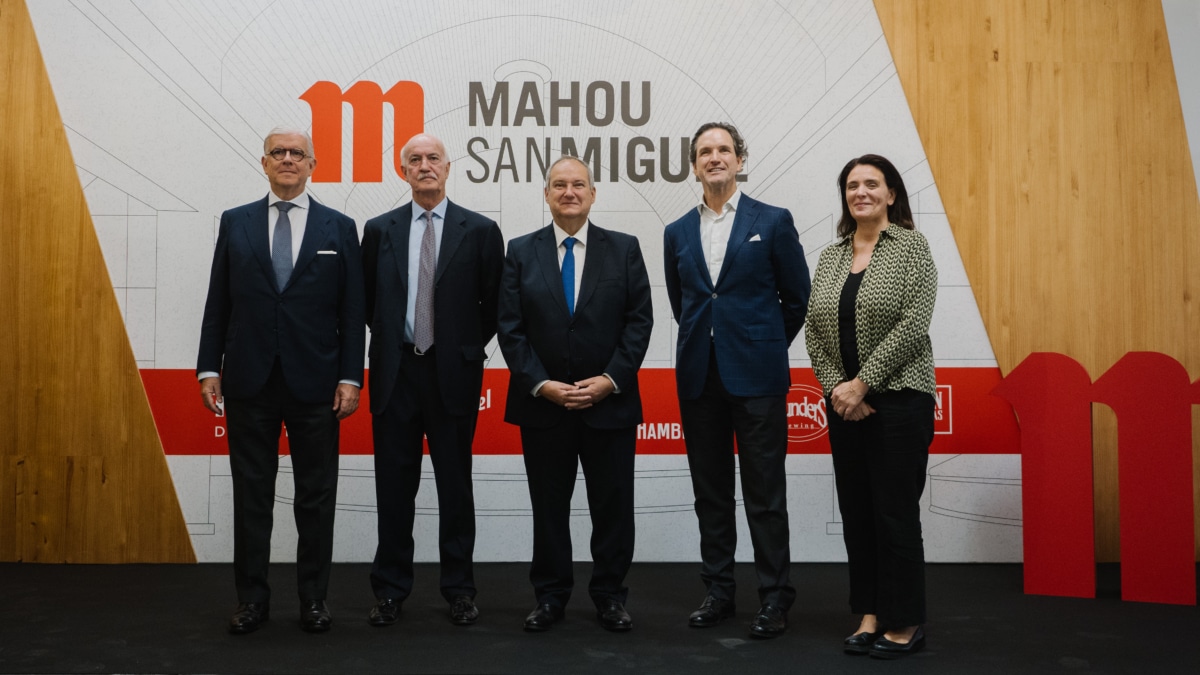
848	400
577	396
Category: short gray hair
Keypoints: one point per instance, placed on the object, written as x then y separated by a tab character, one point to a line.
289	131
570	158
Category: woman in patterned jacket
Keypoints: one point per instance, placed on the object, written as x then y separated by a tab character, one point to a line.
868	337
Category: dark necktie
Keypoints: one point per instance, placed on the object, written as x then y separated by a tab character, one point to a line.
568	274
423	321
281	246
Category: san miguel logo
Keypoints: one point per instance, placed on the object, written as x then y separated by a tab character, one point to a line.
366	99
806	414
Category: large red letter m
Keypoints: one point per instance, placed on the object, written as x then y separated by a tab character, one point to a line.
1152	397
366	98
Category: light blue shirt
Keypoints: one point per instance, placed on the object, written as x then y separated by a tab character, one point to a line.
414	256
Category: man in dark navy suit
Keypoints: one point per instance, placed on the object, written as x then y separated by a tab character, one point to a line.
432	272
282	344
575	320
738	286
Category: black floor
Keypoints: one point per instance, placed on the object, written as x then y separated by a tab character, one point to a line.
171	619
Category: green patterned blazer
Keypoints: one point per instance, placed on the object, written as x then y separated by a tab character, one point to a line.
893	311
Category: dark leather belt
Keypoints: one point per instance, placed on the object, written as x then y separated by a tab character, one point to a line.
410	347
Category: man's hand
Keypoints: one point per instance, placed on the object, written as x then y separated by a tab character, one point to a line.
210	394
582	394
345	400
590	392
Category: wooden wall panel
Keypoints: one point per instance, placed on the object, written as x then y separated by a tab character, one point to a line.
83	477
1055	134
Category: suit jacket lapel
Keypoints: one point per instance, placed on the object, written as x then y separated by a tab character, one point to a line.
547	259
255	228
453	231
592	262
316	229
746	214
691	237
397	234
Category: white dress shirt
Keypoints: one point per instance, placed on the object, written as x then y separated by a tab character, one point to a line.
715	229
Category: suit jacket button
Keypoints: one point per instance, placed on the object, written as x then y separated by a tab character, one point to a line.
714	296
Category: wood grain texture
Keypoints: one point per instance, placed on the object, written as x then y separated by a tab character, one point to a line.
1055	134
83	478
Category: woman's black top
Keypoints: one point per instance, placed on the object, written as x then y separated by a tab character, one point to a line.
847	339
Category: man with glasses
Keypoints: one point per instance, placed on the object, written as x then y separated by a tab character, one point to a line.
281	344
432	273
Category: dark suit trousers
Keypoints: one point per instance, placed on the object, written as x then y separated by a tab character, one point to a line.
416	410
551	458
710	424
879	466
253	426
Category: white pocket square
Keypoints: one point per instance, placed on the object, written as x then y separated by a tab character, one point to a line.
755	238
326	252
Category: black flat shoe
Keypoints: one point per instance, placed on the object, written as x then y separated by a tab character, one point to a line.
613	616
314	616
886	649
770	622
463	611
249	617
384	613
711	612
542	617
860	643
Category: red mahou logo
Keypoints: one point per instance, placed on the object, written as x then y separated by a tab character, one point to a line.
366	98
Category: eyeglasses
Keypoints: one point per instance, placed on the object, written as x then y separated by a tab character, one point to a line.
279	154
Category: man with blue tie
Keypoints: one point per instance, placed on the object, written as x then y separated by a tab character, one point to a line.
281	343
575	322
738	286
432	271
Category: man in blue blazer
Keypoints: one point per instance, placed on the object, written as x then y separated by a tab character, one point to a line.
575	321
738	286
432	272
281	343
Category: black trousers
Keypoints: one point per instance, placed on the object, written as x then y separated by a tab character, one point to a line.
552	457
879	466
710	425
416	410
253	427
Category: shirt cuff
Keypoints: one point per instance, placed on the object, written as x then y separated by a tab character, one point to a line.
616	389
353	382
207	374
538	387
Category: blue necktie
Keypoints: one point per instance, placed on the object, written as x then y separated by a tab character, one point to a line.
568	274
281	245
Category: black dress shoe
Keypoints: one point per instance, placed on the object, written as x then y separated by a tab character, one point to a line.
249	617
886	649
768	623
613	616
384	613
542	617
711	612
314	616
860	643
463	611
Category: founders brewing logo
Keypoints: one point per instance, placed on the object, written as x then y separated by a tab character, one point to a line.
805	413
